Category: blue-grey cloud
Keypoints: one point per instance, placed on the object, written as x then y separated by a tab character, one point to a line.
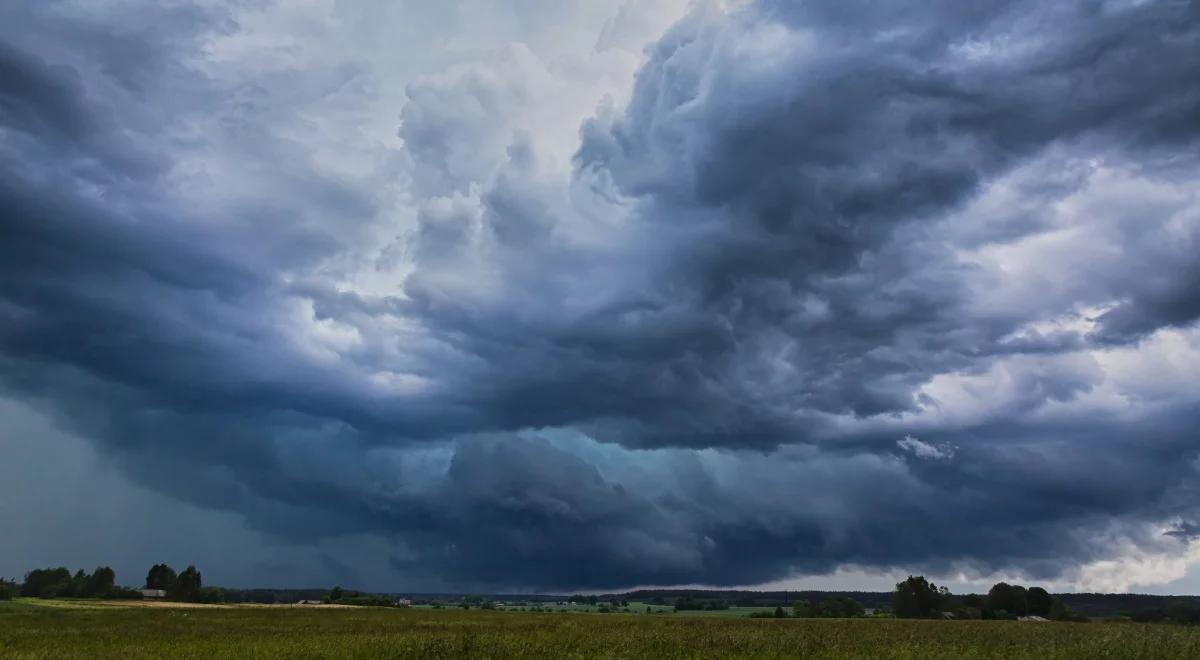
817	247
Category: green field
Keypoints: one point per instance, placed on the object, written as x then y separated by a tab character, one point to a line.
57	629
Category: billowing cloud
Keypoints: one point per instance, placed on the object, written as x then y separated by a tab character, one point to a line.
796	289
925	450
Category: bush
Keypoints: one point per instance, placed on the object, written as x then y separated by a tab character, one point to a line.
687	603
210	595
8	589
366	601
831	608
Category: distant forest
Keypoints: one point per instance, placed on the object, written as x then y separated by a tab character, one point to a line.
1088	604
913	598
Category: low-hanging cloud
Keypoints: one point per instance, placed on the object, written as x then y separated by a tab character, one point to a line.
906	285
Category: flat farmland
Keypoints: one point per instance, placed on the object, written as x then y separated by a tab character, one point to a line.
37	629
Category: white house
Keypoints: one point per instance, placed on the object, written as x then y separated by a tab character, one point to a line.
153	593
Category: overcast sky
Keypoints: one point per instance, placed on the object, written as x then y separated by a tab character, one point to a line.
542	295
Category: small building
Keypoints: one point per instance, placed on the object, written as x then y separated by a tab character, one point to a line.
153	593
1032	617
403	602
310	602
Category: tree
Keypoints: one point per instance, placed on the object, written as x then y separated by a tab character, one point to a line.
160	576
1058	611
917	598
47	582
1178	611
1006	600
186	586
78	584
210	595
779	613
1039	601
8	589
100	583
335	594
802	609
840	608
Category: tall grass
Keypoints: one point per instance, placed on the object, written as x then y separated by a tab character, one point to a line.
29	630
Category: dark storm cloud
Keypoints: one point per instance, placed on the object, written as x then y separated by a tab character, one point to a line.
711	387
815	159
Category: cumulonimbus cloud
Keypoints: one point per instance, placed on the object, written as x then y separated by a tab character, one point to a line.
683	356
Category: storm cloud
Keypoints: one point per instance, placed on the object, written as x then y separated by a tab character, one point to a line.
796	288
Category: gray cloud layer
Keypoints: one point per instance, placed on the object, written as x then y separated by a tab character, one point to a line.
811	232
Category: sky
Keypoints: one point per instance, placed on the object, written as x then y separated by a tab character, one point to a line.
542	296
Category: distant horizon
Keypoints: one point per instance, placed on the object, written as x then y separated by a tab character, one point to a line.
980	588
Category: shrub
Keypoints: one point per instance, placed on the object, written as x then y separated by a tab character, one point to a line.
366	601
8	589
210	595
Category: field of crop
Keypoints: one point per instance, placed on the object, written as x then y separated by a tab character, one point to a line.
32	629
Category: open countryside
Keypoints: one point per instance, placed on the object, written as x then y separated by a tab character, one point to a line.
57	614
598	329
31	629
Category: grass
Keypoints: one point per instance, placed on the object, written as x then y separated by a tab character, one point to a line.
634	607
37	629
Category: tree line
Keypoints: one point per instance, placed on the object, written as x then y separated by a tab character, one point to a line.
59	582
830	608
918	598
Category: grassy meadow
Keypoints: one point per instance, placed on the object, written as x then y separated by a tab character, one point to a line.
65	629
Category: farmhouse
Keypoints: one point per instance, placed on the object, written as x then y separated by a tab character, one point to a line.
403	602
153	593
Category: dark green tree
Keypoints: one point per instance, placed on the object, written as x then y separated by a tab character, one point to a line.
1006	600
1058	611
210	595
1178	611
8	589
841	608
917	598
78	584
1038	601
187	585
100	583
160	576
335	594
47	582
779	613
